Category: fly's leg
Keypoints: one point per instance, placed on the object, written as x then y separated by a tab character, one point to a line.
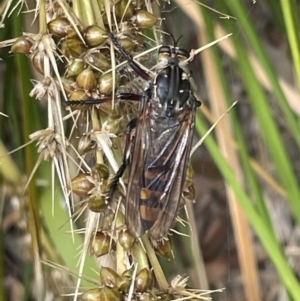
135	67
77	104
126	158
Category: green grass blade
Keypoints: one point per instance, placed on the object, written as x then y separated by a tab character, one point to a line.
292	24
263	232
238	10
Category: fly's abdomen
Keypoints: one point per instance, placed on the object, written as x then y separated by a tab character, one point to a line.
157	172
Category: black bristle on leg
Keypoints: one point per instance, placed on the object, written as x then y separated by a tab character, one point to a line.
126	160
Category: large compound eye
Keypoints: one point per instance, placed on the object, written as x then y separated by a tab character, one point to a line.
182	53
164	50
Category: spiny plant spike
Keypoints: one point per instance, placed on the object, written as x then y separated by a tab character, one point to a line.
92	51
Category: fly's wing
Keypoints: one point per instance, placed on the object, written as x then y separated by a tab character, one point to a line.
132	213
165	161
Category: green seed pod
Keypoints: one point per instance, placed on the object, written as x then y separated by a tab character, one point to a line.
97	203
78	95
189	193
166	297
147	297
92	295
72	47
94	36
126	240
75	67
128	273
110	294
22	44
38	62
151	279
59	27
182	203
72	33
143	280
98	61
106	83
123	10
100	171
189	189
189	175
81	185
99	244
124	281
112	125
144	19
108	277
86	79
127	44
123	284
164	248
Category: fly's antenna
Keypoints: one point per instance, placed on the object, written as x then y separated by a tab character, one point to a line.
175	42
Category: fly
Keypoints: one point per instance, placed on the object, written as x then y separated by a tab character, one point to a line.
160	148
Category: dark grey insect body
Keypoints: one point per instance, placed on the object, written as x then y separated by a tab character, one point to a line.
161	145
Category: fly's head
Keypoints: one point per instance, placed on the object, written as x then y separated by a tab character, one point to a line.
172	83
173	56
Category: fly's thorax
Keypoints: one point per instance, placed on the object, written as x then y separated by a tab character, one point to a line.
171	85
173	91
